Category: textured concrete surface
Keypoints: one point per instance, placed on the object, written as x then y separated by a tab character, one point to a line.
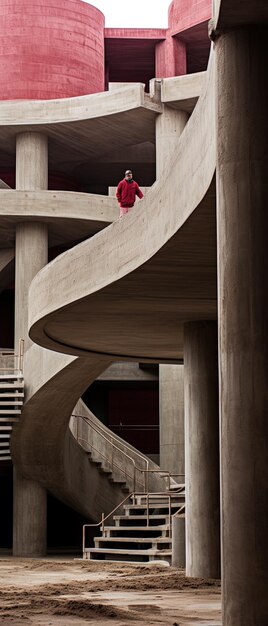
243	315
202	472
155	233
59	49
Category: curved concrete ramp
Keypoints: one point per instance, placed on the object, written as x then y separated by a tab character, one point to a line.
153	263
70	216
45	450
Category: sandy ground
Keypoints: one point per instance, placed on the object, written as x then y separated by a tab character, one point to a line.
43	592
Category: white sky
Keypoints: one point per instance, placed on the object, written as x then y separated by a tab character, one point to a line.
138	14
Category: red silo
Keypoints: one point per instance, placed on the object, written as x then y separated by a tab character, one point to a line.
50	49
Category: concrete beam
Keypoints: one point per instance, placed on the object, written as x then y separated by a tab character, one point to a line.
182	92
71	216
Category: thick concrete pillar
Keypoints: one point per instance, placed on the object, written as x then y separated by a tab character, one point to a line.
170	57
31	256
202	450
29	500
30	517
171	411
169	126
242	200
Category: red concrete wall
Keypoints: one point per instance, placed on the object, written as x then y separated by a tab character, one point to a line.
50	49
183	14
170	58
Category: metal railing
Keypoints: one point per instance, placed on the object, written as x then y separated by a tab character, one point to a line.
108	438
161	494
110	460
16	359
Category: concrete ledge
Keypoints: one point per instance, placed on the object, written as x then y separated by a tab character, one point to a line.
182	92
71	215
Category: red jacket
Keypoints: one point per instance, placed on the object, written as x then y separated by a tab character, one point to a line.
126	193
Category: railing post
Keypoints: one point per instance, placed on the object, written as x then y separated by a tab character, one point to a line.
21	353
170	522
102	522
84	540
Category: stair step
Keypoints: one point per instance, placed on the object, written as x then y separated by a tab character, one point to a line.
11	385
136	528
7	428
151	551
5	458
5	436
157	504
152	505
11	394
134	518
8	420
10	402
10	411
11	376
130	540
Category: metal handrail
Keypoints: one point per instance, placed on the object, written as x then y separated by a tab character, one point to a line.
81	439
163	494
103	519
19	357
104	429
98	429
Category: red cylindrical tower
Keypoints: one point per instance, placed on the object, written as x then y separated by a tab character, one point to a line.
183	14
50	49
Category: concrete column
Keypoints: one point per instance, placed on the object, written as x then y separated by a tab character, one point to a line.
202	450
170	57
242	217
171	411
30	517
31	256
29	500
178	541
169	126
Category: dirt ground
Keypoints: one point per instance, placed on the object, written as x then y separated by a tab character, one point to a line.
39	592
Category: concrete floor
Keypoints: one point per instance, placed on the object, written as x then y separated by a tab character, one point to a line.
60	592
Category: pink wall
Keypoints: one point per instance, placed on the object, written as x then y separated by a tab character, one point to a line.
170	58
50	49
183	14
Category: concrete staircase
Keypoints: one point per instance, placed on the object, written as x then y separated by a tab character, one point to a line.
143	533
11	401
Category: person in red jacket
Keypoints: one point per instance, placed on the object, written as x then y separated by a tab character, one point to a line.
126	193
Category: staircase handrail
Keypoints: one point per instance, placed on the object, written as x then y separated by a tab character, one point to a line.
114	464
99	430
19	356
103	519
163	494
104	429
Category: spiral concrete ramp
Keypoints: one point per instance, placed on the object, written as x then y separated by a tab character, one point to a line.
124	293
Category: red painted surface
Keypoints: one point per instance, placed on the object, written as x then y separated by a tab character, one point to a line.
50	49
170	58
135	33
184	14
